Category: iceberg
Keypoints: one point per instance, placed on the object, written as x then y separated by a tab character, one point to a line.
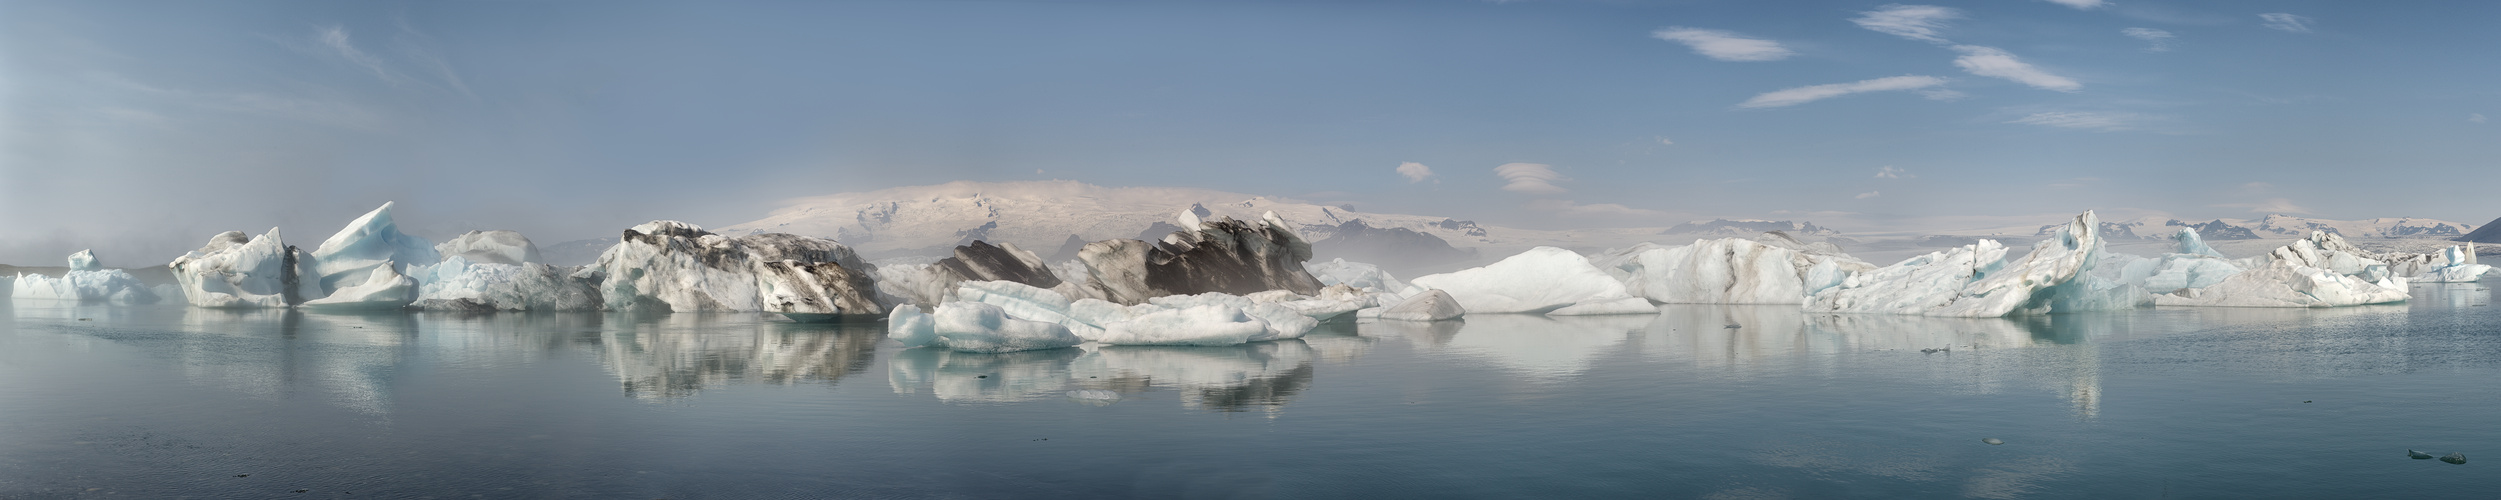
1432	305
86	281
1204	325
1536	281
382	290
2320	271
975	327
981	261
1773	269
682	267
1223	255
490	247
458	284
2455	265
1354	274
1975	281
235	271
370	241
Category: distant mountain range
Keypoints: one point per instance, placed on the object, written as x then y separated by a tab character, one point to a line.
2281	226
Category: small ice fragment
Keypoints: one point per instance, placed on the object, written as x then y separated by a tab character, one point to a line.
1992	440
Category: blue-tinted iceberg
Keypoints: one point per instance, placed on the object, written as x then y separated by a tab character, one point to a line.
369	242
382	289
975	327
1975	281
2320	271
86	281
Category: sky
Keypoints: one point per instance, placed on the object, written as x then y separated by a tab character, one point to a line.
142	128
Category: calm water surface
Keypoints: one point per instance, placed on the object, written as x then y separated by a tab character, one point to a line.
167	402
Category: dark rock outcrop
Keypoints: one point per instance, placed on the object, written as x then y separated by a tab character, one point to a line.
2490	232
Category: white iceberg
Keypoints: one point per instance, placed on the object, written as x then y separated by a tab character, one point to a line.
1537	281
86	281
1432	305
2320	271
975	327
382	290
370	241
1204	325
489	247
2457	265
1770	270
458	284
235	271
1975	281
684	268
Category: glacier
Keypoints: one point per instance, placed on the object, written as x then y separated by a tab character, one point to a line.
1537	281
86	281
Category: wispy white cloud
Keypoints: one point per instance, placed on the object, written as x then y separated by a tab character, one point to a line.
1569	208
2156	40
1991	62
1415	172
2285	22
1664	142
1916	22
2475	117
1869	194
2106	122
1724	45
2270	206
413	43
1892	172
1533	178
2082	4
335	38
1812	93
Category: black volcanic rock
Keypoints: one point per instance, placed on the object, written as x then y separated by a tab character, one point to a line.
1223	255
981	261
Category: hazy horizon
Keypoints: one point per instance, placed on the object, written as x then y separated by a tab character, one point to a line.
142	131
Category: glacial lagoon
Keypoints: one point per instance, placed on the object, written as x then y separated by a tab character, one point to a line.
1699	401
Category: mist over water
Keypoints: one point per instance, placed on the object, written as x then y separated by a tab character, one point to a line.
1696	401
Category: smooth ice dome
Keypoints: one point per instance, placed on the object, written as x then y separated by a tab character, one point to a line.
457	284
370	241
975	327
234	271
1432	305
1537	281
382	289
489	247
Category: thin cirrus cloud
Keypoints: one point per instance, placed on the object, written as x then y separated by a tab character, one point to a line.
1415	172
1812	93
2156	40
1916	22
2107	122
1994	63
1892	172
1724	45
336	39
2285	22
2082	4
1532	178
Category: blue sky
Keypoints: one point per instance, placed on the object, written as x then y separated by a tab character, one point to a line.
141	128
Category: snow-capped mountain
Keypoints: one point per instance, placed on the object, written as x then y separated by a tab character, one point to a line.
1747	228
2278	226
1042	215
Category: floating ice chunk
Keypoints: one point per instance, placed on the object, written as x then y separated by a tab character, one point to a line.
2287	284
382	290
1536	281
1627	305
1354	274
1211	324
2457	265
1974	280
1222	255
1023	301
1432	305
2192	244
679	266
84	260
1322	309
370	241
235	271
489	247
458	284
1728	271
977	327
906	324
